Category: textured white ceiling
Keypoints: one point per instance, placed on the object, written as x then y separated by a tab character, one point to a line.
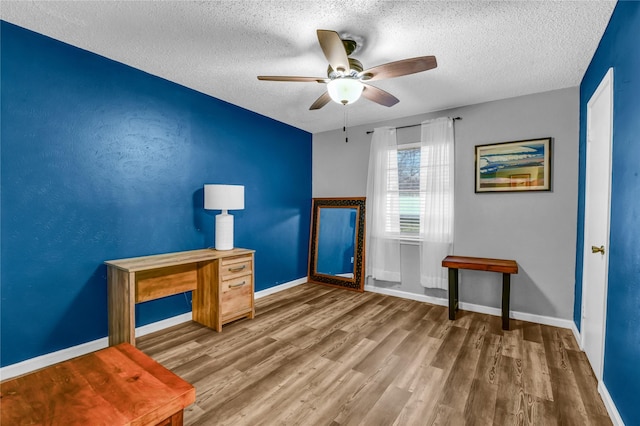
485	50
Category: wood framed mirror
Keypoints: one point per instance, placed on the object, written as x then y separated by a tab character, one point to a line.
336	252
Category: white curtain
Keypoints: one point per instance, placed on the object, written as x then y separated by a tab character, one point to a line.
436	224
383	246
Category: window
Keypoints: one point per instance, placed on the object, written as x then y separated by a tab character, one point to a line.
410	198
404	180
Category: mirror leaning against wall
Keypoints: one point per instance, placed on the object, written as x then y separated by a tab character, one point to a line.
336	252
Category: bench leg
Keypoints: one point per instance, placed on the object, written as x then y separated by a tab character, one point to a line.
453	293
175	420
506	291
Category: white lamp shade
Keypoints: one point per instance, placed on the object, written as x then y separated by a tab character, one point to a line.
224	197
345	90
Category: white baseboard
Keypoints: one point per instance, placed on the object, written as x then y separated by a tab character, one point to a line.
576	334
407	295
524	316
278	288
165	323
609	405
541	319
46	360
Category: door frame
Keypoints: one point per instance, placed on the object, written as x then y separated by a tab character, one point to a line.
606	84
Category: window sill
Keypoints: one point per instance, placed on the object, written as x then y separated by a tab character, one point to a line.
407	242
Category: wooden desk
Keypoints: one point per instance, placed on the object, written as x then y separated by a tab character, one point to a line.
507	267
118	385
221	281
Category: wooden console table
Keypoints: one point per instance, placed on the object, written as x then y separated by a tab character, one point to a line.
221	281
507	267
118	385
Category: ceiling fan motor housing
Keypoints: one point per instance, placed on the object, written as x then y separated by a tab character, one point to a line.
355	68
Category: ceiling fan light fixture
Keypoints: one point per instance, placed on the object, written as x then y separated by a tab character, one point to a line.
345	90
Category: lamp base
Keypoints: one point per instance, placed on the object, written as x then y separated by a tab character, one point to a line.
224	231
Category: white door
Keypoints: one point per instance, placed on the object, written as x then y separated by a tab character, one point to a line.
596	226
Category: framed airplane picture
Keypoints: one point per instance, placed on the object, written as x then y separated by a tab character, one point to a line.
514	166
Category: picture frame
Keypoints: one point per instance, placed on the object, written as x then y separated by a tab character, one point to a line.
518	166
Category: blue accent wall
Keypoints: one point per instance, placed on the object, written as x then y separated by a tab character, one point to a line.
619	48
101	161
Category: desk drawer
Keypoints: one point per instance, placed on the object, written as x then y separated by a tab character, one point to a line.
161	282
235	296
236	267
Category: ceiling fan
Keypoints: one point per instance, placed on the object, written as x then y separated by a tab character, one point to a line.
346	80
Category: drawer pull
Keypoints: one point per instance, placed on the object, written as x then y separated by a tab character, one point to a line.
237	269
237	285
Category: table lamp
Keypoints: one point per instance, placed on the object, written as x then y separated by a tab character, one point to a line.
224	197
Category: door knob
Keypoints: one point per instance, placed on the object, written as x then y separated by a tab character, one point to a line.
595	249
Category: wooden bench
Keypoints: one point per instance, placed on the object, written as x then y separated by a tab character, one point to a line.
507	267
115	386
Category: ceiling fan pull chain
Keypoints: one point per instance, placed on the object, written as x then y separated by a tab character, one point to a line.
344	128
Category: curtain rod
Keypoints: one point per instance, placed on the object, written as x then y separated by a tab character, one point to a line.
413	125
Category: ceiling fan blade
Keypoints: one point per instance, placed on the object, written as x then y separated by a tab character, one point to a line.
379	96
291	78
321	101
333	49
399	68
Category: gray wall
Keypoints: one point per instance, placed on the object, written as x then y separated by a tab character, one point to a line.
536	229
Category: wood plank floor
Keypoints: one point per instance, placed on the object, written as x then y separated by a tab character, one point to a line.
325	356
